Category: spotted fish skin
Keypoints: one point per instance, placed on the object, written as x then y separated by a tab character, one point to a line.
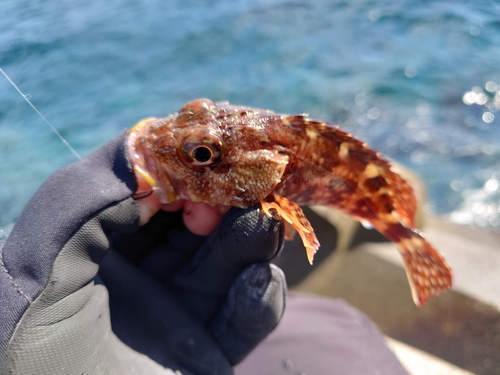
219	153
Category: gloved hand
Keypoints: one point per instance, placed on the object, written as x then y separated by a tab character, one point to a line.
177	301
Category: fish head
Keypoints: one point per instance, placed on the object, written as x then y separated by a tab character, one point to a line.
210	153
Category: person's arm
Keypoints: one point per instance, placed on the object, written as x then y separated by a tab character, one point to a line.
177	301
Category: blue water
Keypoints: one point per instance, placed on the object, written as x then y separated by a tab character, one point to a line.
417	80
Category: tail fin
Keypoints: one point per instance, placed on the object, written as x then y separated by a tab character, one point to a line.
428	273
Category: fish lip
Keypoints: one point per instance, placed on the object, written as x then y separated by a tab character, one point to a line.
166	190
170	184
141	159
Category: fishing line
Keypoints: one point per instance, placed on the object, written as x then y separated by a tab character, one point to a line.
40	114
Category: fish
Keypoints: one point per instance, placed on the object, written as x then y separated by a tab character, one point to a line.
223	154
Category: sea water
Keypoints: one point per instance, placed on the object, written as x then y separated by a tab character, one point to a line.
417	80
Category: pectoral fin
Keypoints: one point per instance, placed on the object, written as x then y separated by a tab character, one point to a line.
293	215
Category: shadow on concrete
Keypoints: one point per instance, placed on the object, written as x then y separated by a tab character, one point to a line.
293	259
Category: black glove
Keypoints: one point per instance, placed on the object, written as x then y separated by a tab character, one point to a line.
177	301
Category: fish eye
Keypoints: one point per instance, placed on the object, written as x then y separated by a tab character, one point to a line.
202	154
201	150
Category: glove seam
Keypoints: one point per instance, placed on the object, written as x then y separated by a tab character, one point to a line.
10	278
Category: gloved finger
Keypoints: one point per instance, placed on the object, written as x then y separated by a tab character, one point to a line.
161	246
253	308
243	237
148	318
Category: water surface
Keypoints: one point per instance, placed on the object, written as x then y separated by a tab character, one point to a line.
417	80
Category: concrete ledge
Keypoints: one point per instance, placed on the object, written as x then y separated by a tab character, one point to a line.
461	327
418	362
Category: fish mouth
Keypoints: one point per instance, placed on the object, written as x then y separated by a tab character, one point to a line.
167	187
150	176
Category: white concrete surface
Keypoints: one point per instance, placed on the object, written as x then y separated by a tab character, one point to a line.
418	362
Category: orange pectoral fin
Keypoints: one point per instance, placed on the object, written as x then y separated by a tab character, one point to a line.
293	214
